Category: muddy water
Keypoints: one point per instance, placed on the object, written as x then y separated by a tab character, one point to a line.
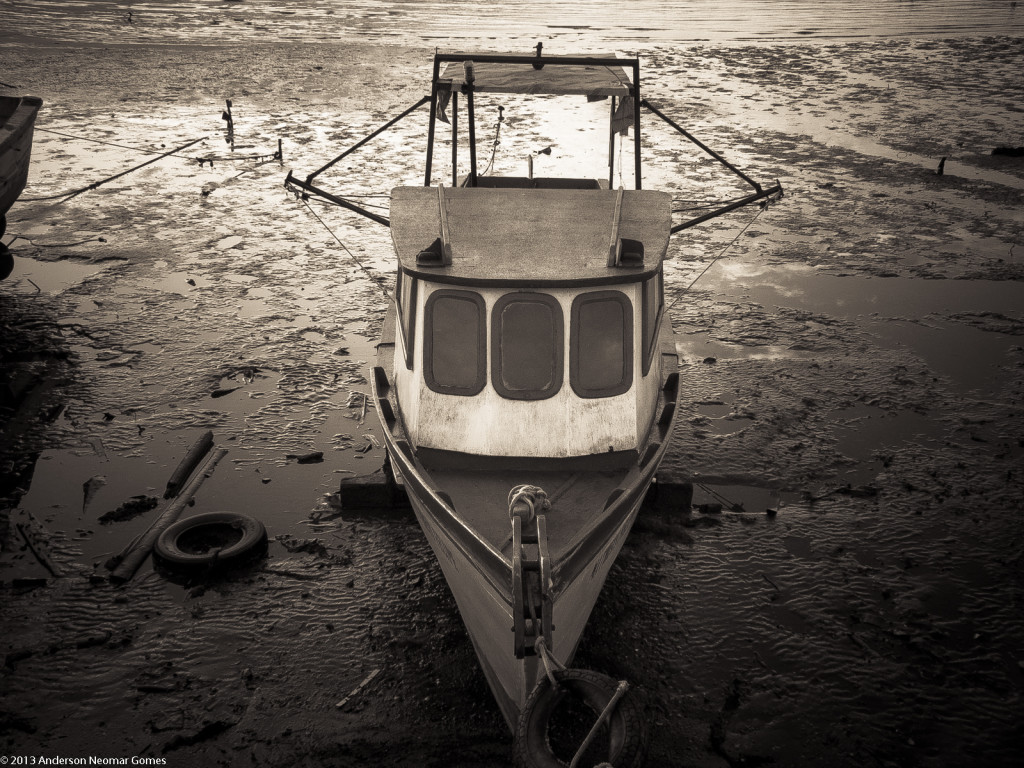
852	362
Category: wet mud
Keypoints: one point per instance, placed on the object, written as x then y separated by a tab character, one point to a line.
845	590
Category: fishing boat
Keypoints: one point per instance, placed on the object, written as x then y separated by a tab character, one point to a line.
527	378
17	123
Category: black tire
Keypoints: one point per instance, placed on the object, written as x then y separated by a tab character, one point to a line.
241	538
626	728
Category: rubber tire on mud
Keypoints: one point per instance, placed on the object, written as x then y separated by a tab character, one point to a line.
168	554
628	735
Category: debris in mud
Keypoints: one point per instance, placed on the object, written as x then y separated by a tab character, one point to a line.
132	508
90	487
224	391
1009	151
36	540
310	546
315	457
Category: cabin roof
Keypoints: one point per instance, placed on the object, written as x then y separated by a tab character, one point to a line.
528	237
519	76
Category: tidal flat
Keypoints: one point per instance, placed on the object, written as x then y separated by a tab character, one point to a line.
847	588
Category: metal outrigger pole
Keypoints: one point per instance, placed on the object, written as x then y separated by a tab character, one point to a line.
759	193
308	185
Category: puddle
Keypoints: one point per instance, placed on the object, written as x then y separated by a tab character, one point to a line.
901	313
51	277
710	498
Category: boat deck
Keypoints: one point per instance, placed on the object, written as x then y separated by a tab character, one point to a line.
481	498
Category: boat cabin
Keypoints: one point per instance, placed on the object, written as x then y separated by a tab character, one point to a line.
528	312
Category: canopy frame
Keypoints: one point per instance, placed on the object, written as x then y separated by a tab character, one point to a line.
595	77
475	80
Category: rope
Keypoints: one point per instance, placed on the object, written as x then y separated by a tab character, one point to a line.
201	160
733	507
228	158
68	195
105	143
494	145
56	245
532	495
547	660
351	255
721	253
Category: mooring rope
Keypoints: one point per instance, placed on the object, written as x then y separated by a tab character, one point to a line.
56	245
75	192
200	160
721	253
547	660
105	143
351	255
732	506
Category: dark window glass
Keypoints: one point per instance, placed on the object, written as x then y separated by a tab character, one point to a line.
526	346
453	350
407	313
601	344
652	310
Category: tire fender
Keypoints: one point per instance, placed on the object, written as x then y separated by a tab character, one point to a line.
626	726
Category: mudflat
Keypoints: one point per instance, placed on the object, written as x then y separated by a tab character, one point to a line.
846	589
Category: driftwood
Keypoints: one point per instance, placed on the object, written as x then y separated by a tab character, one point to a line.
188	465
129	561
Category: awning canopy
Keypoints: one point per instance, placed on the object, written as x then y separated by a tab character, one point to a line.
500	73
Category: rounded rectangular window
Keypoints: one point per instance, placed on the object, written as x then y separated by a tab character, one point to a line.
601	344
526	346
454	355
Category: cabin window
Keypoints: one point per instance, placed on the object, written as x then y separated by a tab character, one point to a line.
653	301
601	344
527	339
407	313
454	356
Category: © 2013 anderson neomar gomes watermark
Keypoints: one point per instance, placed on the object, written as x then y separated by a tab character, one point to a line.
91	760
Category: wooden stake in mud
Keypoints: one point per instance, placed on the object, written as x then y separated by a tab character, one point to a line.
132	557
